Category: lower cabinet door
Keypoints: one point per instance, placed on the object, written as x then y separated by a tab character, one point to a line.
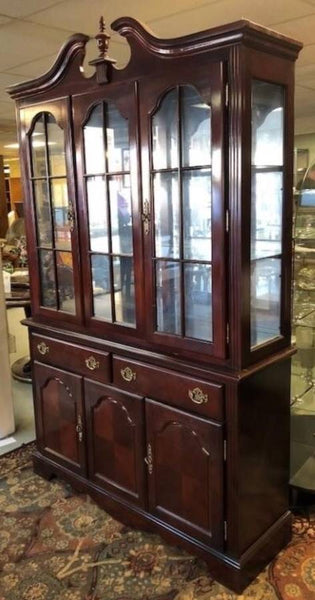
116	450
59	416
185	471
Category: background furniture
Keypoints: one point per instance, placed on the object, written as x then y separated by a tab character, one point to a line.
160	262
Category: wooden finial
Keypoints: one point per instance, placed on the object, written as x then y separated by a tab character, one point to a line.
102	39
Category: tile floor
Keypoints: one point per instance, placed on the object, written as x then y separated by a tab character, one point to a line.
22	392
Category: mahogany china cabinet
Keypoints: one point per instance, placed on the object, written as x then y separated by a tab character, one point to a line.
158	213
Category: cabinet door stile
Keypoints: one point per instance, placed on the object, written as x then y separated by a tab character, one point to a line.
185	471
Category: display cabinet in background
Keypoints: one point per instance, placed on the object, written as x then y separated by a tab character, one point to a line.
303	362
159	211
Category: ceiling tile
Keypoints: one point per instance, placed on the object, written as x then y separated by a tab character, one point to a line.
307	55
304	101
22	8
34	68
264	12
27	41
301	29
6	80
4	19
304	125
80	15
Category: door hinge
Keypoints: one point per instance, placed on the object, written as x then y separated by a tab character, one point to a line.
226	94
224	450
227	333
225	531
227	221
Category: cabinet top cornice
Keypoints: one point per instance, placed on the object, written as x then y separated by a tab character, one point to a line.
143	42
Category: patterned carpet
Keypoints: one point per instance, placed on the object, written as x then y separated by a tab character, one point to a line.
58	545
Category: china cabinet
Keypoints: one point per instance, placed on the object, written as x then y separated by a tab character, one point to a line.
159	218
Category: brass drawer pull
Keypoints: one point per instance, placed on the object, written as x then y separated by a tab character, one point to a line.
92	363
128	375
197	396
43	348
79	428
149	459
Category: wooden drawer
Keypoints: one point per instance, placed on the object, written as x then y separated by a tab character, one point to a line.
85	361
161	384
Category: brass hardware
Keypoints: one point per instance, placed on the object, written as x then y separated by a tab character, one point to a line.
92	363
146	217
79	428
127	374
70	215
43	348
149	459
197	396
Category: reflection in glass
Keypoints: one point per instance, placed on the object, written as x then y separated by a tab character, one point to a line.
43	215
197	214
166	210
198	301
266	215
60	207
47	278
168	297
120	214
38	148
124	289
97	212
101	286
65	281
196	135
94	142
56	147
265	299
267	123
117	136
165	133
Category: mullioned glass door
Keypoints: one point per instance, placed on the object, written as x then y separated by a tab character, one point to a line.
183	217
52	214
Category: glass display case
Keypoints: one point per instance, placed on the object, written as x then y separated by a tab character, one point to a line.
303	362
159	212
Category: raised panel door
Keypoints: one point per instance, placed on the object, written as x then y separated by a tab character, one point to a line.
185	471
115	425
59	416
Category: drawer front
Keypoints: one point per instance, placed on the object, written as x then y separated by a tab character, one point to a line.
161	384
82	360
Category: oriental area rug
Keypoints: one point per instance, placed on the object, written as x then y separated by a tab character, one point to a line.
56	544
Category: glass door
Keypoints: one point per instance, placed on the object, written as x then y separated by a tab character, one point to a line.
186	211
53	213
107	168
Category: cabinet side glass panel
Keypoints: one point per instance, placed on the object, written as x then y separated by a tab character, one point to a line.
109	207
181	186
266	211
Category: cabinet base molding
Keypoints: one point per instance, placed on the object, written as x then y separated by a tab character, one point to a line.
235	573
